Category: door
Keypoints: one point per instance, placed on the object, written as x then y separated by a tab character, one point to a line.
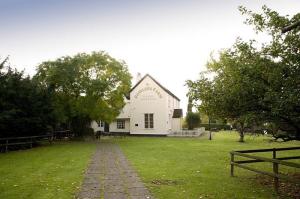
106	127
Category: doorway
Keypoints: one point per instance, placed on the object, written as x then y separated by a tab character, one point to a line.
106	127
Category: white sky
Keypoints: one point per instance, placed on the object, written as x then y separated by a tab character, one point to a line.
170	40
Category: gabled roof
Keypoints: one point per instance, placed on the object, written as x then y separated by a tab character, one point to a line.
166	90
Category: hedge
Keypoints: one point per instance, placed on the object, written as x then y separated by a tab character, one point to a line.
215	126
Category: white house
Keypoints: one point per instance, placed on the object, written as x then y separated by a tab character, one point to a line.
150	109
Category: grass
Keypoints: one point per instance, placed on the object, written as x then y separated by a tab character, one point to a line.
51	171
199	168
170	167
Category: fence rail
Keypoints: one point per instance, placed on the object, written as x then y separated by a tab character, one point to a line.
29	140
274	160
63	134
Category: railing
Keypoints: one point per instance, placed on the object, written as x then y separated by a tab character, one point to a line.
17	141
63	134
275	161
188	133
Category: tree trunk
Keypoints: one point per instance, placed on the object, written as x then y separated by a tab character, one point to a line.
242	136
242	133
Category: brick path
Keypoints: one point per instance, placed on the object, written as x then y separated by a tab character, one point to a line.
110	176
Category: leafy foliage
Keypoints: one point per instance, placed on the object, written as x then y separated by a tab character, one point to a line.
256	88
86	87
25	108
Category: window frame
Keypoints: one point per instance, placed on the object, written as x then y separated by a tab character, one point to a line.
100	123
149	120
120	124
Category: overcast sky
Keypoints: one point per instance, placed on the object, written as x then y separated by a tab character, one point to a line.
170	40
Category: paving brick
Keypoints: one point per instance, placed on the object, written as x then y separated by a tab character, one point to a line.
110	175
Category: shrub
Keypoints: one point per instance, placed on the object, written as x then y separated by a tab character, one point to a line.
192	120
215	126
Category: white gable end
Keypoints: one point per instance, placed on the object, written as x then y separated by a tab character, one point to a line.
149	110
148	98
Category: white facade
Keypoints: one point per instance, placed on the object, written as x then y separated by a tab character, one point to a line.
97	126
148	111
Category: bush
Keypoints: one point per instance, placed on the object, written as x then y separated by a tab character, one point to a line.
217	127
192	120
88	132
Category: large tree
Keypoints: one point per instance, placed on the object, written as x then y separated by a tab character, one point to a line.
256	86
25	107
86	87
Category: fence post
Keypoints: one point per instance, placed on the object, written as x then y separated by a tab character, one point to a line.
275	170
231	164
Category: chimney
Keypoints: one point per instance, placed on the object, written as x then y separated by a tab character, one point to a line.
138	77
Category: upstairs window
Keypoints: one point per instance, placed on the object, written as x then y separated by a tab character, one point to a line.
149	123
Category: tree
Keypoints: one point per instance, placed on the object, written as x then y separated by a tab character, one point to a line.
282	99
190	105
86	87
255	87
25	108
192	120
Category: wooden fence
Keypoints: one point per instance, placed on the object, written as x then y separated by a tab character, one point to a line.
5	143
274	160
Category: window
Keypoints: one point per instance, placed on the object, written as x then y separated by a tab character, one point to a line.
120	124
149	121
100	123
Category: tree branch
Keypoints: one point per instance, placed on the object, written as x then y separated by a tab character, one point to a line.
290	27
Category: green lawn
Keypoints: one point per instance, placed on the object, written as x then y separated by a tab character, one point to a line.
198	168
51	171
171	167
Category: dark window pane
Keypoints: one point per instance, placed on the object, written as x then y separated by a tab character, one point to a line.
151	120
120	124
146	121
